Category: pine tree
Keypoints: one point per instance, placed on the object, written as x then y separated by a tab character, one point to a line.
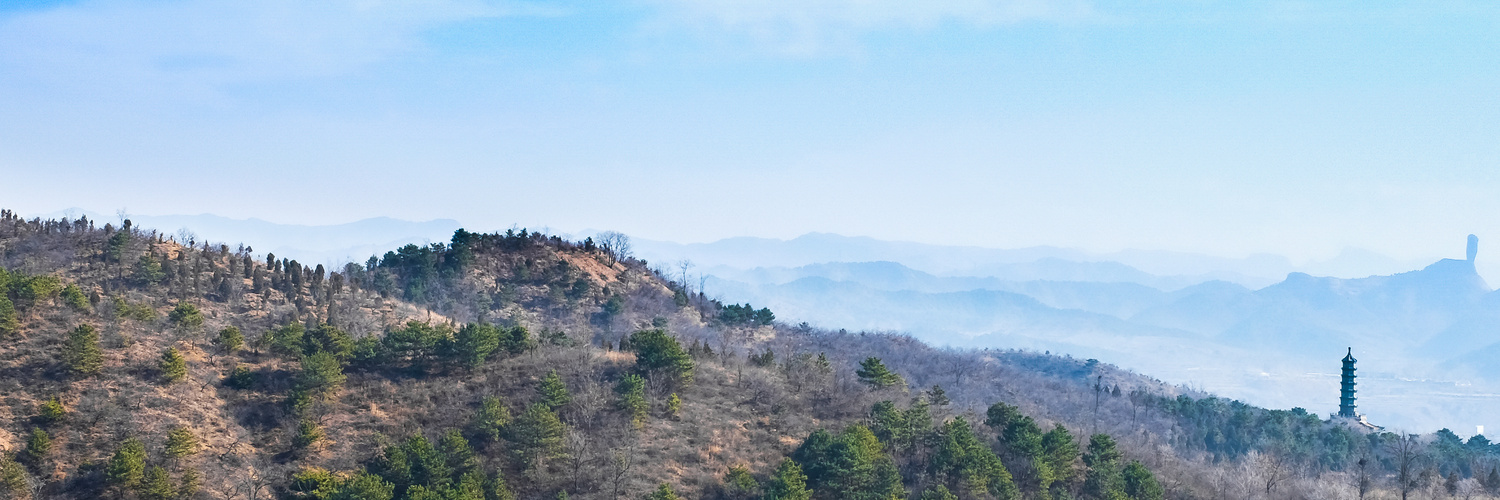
322	374
81	352
966	464
148	271
939	493
126	466
1140	484
473	344
632	392
537	434
173	366
191	482
1060	451
10	323
873	372
186	315
674	406
366	486
937	396
553	391
852	465
657	353
457	453
308	434
156	485
739	484
13	477
38	445
491	419
663	492
181	442
498	490
230	339
789	483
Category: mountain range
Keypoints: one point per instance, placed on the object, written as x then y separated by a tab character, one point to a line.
1257	328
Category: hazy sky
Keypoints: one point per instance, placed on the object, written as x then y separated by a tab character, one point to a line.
1222	127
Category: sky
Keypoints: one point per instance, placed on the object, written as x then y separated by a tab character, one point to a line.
1228	128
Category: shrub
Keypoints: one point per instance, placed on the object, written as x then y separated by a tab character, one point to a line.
240	378
74	298
51	411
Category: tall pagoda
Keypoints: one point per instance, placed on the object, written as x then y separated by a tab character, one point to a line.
1346	387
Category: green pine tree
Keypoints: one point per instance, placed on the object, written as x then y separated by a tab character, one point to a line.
1139	483
674	406
173	366
308	434
191	482
537	434
657	353
186	315
10	322
499	490
663	492
38	445
81	351
939	493
968	466
491	419
632	392
739	484
873	372
788	483
230	339
156	485
473	344
181	442
937	396
126	466
553	392
13	478
366	486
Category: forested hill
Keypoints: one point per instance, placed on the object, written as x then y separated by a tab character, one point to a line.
522	365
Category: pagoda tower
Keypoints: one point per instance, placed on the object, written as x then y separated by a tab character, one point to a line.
1346	387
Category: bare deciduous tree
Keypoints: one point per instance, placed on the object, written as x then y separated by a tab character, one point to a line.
1405	450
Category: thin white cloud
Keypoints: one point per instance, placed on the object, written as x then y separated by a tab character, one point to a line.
192	44
815	26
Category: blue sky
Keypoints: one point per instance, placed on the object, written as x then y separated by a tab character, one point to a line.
1229	128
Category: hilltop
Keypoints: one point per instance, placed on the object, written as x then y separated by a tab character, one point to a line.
524	365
